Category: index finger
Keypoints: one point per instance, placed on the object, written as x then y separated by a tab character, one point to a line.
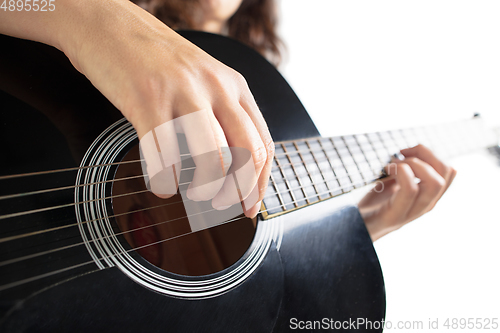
250	106
426	155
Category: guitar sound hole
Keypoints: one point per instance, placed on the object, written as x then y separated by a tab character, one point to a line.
145	219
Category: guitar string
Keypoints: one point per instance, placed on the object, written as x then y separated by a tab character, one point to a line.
311	184
79	265
149	208
54	189
324	182
37	173
17	195
141	160
276	168
17	283
30	256
34	233
297	151
411	137
408	136
31	279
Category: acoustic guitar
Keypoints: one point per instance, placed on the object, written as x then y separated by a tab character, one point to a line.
84	246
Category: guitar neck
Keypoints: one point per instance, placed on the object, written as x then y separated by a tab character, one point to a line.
310	170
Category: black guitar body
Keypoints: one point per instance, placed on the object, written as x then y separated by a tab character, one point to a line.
323	267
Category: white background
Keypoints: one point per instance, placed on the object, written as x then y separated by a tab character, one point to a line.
361	66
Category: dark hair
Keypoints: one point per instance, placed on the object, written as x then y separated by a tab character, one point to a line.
254	23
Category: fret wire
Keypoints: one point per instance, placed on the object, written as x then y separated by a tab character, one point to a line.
286	164
306	167
327	159
295	172
342	188
364	159
443	135
431	137
326	192
405	139
343	163
278	193
370	163
395	139
311	151
382	162
292	195
302	151
319	168
409	135
369	149
436	132
391	143
438	148
330	163
391	137
384	144
342	177
354	160
431	132
420	135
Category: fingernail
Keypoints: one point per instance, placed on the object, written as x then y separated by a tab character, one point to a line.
397	157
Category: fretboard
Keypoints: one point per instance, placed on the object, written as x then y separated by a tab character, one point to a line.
310	170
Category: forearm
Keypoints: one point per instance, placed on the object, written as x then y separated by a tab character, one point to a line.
49	26
104	40
73	23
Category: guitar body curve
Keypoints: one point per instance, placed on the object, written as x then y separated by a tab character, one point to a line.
321	265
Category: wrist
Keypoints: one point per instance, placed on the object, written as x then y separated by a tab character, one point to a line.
377	227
